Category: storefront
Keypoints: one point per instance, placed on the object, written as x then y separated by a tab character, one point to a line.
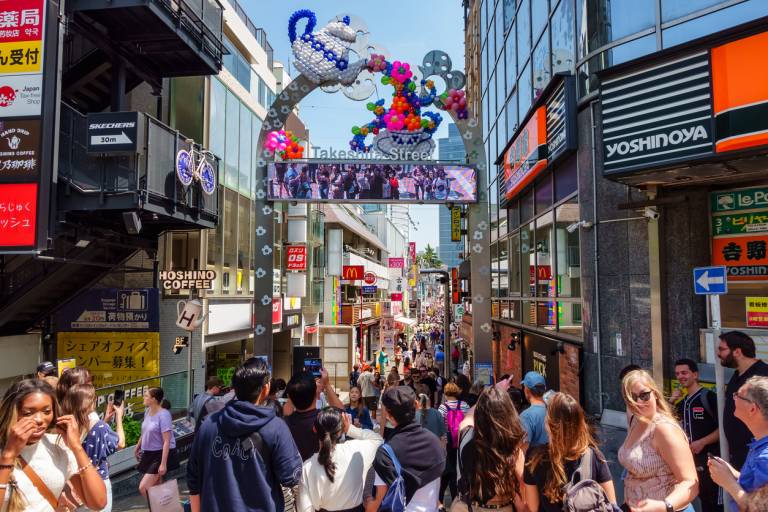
535	253
229	337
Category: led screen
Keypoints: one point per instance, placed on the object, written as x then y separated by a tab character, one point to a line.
371	182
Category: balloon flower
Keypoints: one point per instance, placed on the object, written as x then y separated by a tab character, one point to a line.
401	71
293	151
377	63
277	141
394	120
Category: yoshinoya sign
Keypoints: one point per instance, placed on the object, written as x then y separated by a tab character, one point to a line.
658	115
187	279
112	132
19	149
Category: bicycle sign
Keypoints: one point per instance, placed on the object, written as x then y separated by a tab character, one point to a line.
194	165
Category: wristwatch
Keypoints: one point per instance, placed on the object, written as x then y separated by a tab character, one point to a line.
669	506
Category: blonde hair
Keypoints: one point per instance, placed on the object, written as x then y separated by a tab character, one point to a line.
662	406
452	390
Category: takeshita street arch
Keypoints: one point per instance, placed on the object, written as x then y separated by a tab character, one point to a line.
323	57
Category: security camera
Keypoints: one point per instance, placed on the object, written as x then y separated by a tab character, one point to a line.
651	213
572	228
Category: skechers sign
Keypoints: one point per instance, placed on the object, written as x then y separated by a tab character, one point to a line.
657	115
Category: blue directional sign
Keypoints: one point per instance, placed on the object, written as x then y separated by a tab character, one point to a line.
710	280
369	289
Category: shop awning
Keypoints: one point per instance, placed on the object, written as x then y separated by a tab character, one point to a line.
370	322
410	322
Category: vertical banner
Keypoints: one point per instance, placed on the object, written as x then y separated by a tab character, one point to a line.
456	224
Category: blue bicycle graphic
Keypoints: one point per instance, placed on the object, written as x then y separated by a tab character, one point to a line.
194	165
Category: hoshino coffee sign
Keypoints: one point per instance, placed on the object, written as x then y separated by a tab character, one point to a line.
657	115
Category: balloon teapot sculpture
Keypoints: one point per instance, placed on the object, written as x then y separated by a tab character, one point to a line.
189	314
323	56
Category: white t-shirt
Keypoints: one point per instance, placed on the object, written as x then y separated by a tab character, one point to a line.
365	381
425	498
53	462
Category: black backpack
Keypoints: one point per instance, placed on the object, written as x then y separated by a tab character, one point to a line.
585	494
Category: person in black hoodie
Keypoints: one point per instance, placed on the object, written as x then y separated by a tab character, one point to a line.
418	450
243	454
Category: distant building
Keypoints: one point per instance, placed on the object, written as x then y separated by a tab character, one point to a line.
449	148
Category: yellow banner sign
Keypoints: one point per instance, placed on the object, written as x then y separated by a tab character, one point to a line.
456	224
113	357
21	57
757	311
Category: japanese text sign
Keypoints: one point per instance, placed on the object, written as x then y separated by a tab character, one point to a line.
296	257
19	150
737	200
396	262
18	212
277	310
757	311
526	157
412	251
744	256
456	224
112	357
100	309
21	20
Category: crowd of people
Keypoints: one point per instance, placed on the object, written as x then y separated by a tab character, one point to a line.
406	439
360	181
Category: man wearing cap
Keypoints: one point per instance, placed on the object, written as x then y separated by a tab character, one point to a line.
418	451
533	417
46	369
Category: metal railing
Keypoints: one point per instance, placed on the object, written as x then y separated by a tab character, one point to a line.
204	18
149	172
258	33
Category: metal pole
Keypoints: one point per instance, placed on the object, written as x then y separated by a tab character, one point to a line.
714	306
447	329
361	325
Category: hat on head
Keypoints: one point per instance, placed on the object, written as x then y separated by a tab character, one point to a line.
534	380
400	402
46	368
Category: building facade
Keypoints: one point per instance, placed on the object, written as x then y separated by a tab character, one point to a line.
622	151
449	148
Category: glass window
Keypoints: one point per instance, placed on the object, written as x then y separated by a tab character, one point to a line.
510	59
541	73
187	106
230	235
632	50
563	52
484	16
545	284
525	91
545	315
501	93
523	34
527	259
539	15
715	22
503	268
511	115
615	19
513	215
543	193
255	129
495	270
526	206
566	179
217	128
499	31
244	168
263	93
569	318
581	28
484	69
515	281
509	13
673	9
492	99
232	155
568	266
243	244
528	312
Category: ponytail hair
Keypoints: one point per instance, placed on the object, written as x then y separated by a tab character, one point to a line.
165	404
423	405
329	426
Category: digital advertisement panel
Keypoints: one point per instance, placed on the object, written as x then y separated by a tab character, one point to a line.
372	182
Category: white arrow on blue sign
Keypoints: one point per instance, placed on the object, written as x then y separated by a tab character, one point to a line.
710	280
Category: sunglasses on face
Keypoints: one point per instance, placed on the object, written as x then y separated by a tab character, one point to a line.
642	397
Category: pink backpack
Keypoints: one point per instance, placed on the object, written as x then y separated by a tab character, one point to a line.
453	418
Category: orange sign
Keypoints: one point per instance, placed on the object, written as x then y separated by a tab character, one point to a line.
744	256
526	157
740	93
352	272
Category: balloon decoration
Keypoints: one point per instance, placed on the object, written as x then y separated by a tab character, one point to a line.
403	125
285	144
323	56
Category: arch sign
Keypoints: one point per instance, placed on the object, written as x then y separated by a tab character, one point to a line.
391	149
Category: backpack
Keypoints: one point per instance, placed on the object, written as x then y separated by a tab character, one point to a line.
453	418
394	500
586	495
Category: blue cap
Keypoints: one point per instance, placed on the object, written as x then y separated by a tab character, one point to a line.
533	380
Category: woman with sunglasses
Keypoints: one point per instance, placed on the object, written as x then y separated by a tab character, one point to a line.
661	475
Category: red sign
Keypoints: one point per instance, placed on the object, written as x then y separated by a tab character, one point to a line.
21	20
296	257
277	310
544	272
455	286
396	262
369	278
526	157
18	211
746	257
396	296
352	272
412	251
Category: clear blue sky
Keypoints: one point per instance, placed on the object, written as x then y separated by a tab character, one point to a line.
329	117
